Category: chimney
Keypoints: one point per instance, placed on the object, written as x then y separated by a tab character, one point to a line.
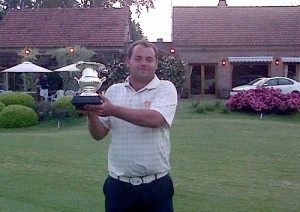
159	40
222	3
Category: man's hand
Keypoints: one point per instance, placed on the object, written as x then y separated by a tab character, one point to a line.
104	109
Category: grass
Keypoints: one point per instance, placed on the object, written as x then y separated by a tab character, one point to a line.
220	162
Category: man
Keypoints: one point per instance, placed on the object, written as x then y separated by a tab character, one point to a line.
44	85
139	113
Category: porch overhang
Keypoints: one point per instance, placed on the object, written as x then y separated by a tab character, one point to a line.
250	59
290	59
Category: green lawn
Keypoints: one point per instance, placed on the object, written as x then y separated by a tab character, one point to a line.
220	162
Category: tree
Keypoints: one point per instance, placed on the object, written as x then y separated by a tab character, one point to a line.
140	4
16	4
20	4
56	3
5	5
136	32
65	57
172	69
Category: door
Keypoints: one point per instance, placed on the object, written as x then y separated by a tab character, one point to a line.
203	79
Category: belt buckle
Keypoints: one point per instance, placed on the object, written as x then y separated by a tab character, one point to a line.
136	181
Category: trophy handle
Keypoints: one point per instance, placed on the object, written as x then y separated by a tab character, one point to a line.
103	79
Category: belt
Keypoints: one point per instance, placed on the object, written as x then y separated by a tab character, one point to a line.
139	180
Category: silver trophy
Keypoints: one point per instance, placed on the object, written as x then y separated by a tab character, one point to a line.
89	83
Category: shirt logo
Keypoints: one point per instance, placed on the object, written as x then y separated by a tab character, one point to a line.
147	104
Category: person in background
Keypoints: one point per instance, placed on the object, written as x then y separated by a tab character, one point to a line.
139	114
44	86
38	86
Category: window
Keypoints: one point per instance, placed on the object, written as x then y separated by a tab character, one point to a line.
271	82
285	82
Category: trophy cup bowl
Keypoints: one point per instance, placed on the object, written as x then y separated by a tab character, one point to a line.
89	83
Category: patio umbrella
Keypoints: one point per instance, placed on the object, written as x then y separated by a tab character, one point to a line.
26	67
69	68
72	67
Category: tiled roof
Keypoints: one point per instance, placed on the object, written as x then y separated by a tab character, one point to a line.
200	26
93	27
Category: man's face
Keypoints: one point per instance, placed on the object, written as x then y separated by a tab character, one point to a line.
142	64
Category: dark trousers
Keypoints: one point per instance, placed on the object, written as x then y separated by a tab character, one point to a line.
156	196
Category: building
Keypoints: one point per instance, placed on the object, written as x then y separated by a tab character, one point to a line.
226	46
103	30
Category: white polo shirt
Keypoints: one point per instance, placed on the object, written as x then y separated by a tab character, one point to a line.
135	150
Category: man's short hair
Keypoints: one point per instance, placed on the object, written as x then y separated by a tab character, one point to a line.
144	43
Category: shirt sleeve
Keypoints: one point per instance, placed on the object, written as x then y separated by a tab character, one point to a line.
165	101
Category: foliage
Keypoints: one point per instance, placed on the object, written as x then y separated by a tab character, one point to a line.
64	57
56	3
17	98
43	110
140	4
31	57
20	4
5	5
118	72
225	110
208	106
266	100
15	116
2	105
28	80
64	108
172	69
200	109
2	13
136	32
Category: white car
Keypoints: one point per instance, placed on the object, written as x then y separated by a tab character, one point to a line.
286	85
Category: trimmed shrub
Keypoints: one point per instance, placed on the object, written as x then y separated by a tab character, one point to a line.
225	109
43	110
209	107
16	116
195	103
17	98
200	109
2	106
264	100
203	107
64	108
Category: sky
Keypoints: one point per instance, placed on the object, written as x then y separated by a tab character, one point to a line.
157	23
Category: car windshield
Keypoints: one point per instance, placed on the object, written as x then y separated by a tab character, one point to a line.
257	82
254	81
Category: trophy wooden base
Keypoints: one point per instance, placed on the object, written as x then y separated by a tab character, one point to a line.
80	101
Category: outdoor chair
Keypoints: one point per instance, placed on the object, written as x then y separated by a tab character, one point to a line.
70	93
57	95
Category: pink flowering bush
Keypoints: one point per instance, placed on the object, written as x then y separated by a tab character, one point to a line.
263	99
